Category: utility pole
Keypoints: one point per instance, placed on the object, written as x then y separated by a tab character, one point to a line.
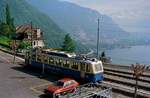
138	70
98	40
31	40
14	49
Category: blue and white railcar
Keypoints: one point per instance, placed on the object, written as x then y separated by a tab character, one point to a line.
67	64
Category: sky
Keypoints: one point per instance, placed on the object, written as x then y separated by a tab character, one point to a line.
131	15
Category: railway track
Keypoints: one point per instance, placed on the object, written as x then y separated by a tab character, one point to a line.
127	90
124	71
122	80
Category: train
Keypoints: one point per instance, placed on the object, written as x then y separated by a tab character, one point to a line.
67	64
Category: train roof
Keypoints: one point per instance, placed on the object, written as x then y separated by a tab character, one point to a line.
93	61
70	55
59	53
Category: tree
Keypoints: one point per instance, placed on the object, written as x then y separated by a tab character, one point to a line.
68	44
8	16
9	19
4	29
23	45
138	71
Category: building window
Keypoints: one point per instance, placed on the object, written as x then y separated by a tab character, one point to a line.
34	43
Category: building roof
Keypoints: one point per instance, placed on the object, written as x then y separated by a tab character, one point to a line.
26	28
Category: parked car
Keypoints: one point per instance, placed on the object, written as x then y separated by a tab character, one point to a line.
61	87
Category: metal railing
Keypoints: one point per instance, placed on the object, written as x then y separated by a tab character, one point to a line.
90	90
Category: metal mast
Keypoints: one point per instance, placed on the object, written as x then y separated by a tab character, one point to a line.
31	36
98	40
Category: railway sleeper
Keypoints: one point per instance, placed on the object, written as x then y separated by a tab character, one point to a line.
125	72
128	84
143	79
127	90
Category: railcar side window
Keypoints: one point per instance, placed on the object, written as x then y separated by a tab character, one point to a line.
51	60
42	58
56	62
39	58
45	59
66	63
60	62
33	57
82	66
75	66
87	67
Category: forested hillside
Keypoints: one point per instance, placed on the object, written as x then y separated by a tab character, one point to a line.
24	13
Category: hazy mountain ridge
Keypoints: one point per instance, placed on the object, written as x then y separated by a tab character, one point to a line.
81	22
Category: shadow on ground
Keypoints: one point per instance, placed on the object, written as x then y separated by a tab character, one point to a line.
37	73
44	96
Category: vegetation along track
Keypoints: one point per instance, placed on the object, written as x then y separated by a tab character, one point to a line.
124	79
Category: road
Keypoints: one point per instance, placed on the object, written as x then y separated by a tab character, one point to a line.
17	82
7	58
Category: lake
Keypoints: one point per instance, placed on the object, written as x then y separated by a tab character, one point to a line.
128	56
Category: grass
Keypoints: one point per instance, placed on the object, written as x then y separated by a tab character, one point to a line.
5	41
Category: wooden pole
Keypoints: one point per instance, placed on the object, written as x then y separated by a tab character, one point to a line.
136	87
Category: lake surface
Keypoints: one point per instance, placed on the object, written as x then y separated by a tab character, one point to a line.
128	56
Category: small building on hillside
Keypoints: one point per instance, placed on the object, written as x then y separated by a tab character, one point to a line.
31	34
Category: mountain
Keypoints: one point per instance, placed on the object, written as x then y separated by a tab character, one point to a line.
24	13
81	22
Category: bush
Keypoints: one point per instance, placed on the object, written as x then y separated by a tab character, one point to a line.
23	45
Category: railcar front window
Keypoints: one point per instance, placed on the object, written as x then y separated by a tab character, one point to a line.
98	67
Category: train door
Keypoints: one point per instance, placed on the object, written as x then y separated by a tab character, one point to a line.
82	70
27	58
